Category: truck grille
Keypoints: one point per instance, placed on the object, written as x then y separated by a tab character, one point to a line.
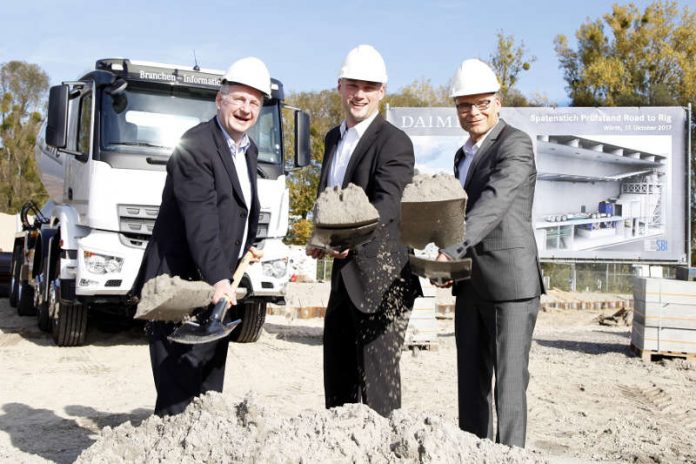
264	221
137	219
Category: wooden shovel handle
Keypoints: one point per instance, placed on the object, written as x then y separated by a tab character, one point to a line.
241	269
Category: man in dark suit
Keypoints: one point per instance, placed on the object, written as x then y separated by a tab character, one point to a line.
372	289
496	309
206	222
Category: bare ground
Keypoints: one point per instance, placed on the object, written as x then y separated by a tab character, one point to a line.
590	398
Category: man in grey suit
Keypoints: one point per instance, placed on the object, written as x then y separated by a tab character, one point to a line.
496	309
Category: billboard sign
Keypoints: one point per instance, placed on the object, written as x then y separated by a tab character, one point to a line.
611	182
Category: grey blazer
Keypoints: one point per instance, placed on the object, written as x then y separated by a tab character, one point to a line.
499	233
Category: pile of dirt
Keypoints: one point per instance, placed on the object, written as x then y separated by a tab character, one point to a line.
211	430
437	187
344	207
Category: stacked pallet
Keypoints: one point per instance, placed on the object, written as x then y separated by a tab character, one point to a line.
422	329
559	299
664	320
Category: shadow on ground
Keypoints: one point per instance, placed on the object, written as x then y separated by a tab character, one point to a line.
296	333
38	431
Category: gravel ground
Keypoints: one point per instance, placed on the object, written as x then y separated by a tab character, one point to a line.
590	398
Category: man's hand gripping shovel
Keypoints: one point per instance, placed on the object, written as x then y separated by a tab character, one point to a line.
214	328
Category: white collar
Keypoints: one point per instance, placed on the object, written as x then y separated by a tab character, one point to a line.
360	127
243	143
469	146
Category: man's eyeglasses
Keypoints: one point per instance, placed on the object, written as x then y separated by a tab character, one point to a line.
481	105
238	101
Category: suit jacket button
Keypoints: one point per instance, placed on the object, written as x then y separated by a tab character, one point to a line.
237	242
243	214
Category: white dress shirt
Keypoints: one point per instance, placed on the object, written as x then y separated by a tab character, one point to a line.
238	153
344	150
470	148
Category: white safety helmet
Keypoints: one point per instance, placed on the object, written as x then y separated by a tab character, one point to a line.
251	72
473	77
364	63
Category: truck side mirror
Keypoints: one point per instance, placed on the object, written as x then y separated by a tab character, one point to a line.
302	150
57	123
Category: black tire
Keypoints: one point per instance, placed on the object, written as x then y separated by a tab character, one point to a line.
14	282
5	274
68	319
25	303
43	320
253	315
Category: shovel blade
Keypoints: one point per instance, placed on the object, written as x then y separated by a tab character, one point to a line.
441	222
192	333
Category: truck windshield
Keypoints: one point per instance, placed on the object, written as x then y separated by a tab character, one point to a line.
150	120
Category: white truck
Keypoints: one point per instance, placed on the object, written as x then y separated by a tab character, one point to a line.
102	156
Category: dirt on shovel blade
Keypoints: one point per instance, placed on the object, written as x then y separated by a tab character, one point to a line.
346	207
433	209
166	298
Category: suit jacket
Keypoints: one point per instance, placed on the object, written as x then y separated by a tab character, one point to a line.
198	232
381	164
500	186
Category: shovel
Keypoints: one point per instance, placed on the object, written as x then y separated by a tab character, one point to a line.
329	237
214	328
440	221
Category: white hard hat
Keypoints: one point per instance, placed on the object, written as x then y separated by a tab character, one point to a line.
364	63
251	72
473	77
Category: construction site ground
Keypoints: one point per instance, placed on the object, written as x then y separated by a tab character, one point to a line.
591	399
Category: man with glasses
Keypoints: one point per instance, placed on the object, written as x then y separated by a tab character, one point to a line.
372	288
206	222
496	309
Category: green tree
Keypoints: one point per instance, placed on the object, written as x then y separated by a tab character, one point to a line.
300	232
324	108
508	61
419	93
632	57
22	93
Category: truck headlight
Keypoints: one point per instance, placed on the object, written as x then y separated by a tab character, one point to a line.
276	268
102	264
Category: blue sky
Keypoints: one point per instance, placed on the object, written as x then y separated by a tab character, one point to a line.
302	42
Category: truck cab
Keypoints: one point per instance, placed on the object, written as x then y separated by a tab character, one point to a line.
102	159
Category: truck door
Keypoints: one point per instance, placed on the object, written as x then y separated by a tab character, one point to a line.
80	140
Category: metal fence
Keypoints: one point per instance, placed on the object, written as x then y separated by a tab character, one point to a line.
595	277
324	267
582	277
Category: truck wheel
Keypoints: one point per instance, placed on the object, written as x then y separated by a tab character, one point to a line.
43	319
68	319
5	273
25	303
14	278
253	315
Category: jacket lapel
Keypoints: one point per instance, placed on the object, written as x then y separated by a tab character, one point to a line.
329	153
226	156
252	159
485	146
457	159
361	148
